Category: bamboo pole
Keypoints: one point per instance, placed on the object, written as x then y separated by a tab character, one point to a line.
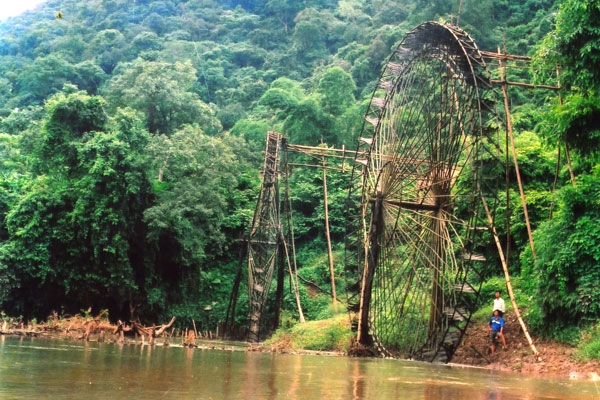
327	234
293	272
515	161
555	183
294	281
527	85
507	275
567	154
568	157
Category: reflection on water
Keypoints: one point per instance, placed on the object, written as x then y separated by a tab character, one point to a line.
41	369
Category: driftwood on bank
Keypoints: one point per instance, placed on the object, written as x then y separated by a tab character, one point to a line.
100	329
151	332
16	329
120	331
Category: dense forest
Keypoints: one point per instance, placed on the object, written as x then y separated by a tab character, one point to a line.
132	134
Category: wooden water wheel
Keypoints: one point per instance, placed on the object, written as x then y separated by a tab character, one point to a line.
417	223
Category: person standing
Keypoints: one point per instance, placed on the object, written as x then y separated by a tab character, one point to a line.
499	304
496	329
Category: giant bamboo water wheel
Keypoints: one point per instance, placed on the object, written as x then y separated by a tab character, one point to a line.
417	213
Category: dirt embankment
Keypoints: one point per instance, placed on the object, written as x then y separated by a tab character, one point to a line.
554	359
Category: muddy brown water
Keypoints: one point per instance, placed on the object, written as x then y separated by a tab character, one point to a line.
35	368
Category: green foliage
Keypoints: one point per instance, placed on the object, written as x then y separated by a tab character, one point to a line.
283	95
45	76
71	230
336	90
566	269
200	210
161	91
307	123
536	161
576	122
309	35
575	45
254	132
199	169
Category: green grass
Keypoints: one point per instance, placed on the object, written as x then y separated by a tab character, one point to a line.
333	334
589	345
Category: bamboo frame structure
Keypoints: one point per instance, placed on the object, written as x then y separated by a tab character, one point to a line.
431	182
504	83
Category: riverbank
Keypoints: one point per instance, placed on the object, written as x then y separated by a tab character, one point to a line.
553	359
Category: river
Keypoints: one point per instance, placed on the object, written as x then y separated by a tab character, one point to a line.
35	368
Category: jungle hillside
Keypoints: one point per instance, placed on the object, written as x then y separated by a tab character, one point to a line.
132	139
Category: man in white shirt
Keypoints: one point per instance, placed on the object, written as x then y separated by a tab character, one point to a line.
499	304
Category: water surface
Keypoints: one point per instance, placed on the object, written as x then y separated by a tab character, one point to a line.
44	369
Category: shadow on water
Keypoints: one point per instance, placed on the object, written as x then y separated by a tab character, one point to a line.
42	369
